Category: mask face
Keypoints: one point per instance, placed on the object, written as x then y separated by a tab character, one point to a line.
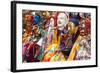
62	21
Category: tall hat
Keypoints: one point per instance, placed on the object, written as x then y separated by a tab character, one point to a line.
75	20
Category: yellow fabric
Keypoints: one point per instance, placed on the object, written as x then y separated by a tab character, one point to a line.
75	48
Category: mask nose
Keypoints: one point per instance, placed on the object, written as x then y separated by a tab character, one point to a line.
59	22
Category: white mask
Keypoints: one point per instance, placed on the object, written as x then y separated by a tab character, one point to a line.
62	20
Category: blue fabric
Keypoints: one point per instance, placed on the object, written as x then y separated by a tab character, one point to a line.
36	19
75	21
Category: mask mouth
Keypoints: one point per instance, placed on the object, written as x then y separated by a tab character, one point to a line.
60	27
60	24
